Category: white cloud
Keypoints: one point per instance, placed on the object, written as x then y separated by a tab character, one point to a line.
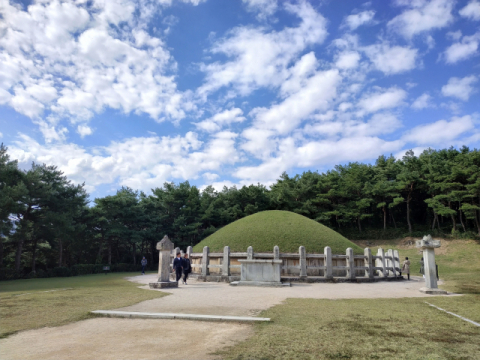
74	59
422	16
422	102
263	8
391	59
441	132
316	94
260	58
460	88
84	130
471	11
216	122
347	60
356	20
382	99
139	162
462	50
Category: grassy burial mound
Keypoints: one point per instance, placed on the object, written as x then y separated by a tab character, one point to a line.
286	229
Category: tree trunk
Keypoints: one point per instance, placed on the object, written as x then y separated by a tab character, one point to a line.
384	218
408	216
359	224
100	248
393	219
434	219
1	252
477	223
18	255
34	255
134	254
109	251
460	216
60	252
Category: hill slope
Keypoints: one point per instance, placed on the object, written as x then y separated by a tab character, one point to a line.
286	229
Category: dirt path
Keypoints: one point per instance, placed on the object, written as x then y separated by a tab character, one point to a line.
107	338
116	339
223	299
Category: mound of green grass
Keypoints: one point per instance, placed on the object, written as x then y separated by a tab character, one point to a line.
286	229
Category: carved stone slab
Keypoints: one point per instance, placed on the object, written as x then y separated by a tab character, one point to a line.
165	244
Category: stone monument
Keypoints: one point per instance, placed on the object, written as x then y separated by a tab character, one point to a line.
428	245
256	272
164	247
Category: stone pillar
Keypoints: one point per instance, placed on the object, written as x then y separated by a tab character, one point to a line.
276	253
250	253
350	264
396	261
391	262
164	247
189	252
177	250
427	244
205	261
381	262
303	262
327	273
226	261
368	263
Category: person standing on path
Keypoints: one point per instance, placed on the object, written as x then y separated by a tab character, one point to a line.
187	268
422	268
406	267
144	265
178	265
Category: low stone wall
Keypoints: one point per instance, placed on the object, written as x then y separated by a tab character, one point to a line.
299	266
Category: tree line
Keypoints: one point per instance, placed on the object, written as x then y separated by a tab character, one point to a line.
46	221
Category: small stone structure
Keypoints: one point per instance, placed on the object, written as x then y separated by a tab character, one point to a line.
427	244
260	273
165	247
226	266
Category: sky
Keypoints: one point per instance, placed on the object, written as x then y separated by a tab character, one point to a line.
137	93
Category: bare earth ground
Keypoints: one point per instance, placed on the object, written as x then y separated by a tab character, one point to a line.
108	338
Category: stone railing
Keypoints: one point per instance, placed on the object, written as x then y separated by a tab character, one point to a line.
301	266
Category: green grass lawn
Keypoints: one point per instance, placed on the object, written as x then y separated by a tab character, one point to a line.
286	229
405	328
30	304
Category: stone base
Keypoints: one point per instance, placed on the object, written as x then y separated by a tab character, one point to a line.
163	285
260	283
433	291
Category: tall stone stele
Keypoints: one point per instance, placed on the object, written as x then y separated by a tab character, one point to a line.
427	244
164	247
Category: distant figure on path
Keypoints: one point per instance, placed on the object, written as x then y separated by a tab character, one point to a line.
187	268
422	268
406	267
144	265
178	265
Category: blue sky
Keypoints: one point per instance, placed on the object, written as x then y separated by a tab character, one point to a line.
136	93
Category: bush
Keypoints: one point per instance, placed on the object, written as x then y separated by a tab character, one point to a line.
61	272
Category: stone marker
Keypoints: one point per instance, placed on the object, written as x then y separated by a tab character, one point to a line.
427	244
164	247
260	273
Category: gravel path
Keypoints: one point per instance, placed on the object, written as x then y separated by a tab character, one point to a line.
223	299
112	338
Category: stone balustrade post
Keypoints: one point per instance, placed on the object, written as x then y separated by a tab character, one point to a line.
189	252
381	262
391	262
303	262
368	263
250	253
350	264
396	261
226	261
205	261
328	272
276	253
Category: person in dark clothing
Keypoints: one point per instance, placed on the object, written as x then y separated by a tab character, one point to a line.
178	265
187	268
144	265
